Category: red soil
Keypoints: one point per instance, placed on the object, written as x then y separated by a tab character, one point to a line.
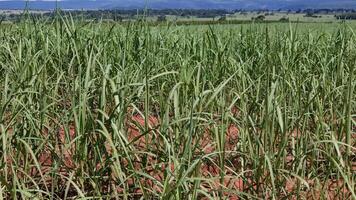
135	123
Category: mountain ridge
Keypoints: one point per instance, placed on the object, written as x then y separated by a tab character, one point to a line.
183	4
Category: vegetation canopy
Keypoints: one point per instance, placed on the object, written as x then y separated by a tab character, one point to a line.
130	111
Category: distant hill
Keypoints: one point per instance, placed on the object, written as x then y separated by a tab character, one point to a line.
49	5
190	4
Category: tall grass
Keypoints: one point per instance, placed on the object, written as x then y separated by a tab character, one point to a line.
290	91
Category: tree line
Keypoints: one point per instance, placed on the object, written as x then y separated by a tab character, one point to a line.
120	15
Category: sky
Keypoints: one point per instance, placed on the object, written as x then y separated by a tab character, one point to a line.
195	4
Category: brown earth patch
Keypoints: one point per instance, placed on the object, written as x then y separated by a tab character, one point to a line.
156	168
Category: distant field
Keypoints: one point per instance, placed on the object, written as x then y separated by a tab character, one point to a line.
17	12
239	16
292	17
248	16
137	111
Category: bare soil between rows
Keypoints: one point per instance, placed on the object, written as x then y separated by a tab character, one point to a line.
230	184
